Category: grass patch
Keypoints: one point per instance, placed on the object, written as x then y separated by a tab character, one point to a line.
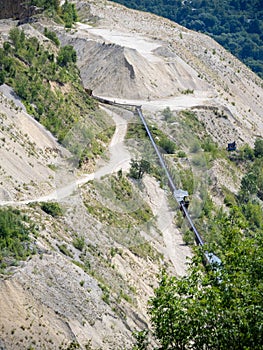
137	131
115	201
146	250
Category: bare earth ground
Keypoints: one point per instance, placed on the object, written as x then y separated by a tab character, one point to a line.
152	61
130	57
26	150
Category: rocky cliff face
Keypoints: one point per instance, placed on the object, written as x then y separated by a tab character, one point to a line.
13	9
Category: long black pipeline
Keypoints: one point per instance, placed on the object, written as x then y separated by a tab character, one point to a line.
211	258
198	238
170	180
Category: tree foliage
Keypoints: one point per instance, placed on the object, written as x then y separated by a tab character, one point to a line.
258	148
215	308
51	208
15	230
252	181
66	55
139	168
67	12
52	36
167	145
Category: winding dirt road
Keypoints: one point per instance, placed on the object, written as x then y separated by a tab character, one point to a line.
119	159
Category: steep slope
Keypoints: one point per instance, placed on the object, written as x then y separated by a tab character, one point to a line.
172	62
27	149
135	69
94	266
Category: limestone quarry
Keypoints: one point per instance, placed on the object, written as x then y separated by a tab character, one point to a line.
97	296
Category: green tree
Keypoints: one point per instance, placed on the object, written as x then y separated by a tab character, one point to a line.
15	230
215	308
167	145
139	168
66	55
248	185
52	36
69	14
2	77
14	36
246	152
258	148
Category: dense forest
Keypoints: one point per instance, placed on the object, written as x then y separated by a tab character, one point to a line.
235	24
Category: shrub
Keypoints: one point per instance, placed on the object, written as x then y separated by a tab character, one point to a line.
52	36
167	145
139	168
52	209
167	113
79	242
258	148
15	230
64	250
181	154
2	77
66	55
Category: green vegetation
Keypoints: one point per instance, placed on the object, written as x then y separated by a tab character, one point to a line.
248	200
250	160
161	139
146	250
15	240
64	250
51	208
167	113
66	56
214	308
252	181
258	148
79	242
67	12
116	202
237	25
51	89
139	168
52	36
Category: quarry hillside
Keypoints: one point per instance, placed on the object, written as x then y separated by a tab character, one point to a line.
99	238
